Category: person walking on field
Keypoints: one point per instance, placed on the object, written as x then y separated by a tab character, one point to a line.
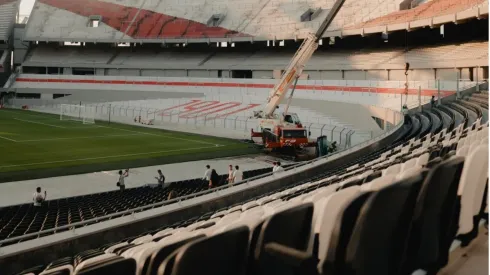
120	182
237	175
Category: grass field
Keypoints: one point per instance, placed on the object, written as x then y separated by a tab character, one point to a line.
32	140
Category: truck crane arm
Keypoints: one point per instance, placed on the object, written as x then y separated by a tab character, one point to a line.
297	64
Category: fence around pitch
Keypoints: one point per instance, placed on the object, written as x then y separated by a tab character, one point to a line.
345	137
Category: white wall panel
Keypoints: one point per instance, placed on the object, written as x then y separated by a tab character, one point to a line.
262	74
377	75
178	73
331	75
129	72
447	74
354	75
198	73
147	72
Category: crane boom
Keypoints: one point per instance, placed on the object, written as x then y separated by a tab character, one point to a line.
297	64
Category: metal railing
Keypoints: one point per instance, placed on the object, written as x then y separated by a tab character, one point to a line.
345	137
73	226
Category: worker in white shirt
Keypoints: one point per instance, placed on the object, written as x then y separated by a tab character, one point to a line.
230	174
120	182
278	167
274	168
207	174
237	175
38	198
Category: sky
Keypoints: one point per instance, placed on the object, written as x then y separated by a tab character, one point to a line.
26	7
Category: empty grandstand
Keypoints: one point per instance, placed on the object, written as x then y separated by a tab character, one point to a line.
8	11
398	89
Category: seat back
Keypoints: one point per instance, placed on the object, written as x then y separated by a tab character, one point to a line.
392	170
343	227
291	228
325	214
224	253
373	176
378	183
408	164
159	256
471	186
378	241
118	265
433	213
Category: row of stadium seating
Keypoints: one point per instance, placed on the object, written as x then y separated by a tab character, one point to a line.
392	212
361	59
181	19
8	10
428	10
24	219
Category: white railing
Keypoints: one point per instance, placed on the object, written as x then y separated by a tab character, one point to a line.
227	125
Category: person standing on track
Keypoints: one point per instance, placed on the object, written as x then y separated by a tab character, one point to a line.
207	174
278	167
230	174
120	182
38	198
237	175
214	182
160	178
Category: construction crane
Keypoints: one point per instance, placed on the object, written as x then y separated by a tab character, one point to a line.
285	130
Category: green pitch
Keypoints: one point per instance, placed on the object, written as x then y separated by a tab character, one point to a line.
32	140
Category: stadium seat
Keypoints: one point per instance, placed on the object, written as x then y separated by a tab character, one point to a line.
382	228
335	260
223	253
471	187
277	232
431	233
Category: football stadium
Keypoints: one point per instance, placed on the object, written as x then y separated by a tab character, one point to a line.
336	137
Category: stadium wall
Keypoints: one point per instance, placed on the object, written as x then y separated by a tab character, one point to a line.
422	74
379	93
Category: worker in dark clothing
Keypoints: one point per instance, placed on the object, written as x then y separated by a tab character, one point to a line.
433	102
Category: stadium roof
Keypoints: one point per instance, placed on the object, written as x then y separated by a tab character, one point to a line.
179	21
8	10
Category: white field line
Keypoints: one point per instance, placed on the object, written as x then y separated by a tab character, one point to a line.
165	136
138	132
50	139
107	157
35	122
8	139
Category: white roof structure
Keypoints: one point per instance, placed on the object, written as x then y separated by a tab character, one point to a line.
447	56
177	21
8	10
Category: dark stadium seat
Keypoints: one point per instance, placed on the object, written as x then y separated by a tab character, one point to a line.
278	230
432	229
24	219
377	243
223	253
116	265
152	263
334	263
